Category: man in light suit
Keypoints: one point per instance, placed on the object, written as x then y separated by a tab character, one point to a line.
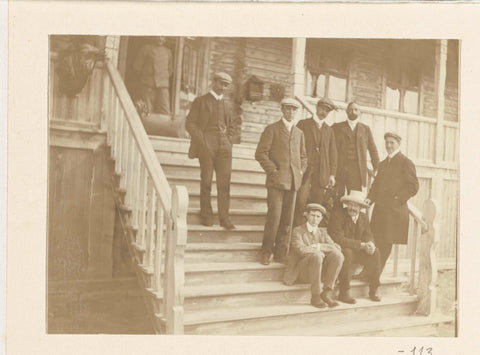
213	130
322	159
312	254
281	153
395	183
353	139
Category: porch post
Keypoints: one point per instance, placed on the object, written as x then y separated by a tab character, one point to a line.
112	45
440	78
298	66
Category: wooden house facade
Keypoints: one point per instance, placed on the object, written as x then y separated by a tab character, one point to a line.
410	86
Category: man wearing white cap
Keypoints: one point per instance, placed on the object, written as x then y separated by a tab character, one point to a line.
281	153
395	183
313	254
351	229
213	130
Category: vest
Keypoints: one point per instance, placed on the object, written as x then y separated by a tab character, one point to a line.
352	144
216	122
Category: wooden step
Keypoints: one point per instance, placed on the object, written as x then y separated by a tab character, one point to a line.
237	216
409	326
250	320
245	187
250	202
222	252
214	296
216	234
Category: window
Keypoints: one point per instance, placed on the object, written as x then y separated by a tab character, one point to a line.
190	66
403	88
327	67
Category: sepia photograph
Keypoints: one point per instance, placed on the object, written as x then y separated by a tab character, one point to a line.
252	185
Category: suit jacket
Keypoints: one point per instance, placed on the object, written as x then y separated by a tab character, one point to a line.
301	246
154	65
197	119
321	150
364	142
396	182
282	155
346	233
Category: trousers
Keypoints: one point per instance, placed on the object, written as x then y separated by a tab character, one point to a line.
370	262
320	266
309	192
157	99
276	232
349	178
215	155
385	249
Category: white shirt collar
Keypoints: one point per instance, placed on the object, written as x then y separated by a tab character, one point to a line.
355	219
287	124
319	122
392	154
216	96
311	228
353	123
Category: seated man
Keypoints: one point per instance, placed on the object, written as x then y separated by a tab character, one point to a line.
311	250
351	229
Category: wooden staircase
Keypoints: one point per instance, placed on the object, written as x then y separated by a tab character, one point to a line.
227	290
206	280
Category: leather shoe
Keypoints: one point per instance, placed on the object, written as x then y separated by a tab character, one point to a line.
227	224
325	296
266	258
281	259
316	301
373	296
207	221
346	298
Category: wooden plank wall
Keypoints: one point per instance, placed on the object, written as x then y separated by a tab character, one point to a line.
81	215
85	107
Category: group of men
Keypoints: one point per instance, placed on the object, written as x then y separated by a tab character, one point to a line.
304	163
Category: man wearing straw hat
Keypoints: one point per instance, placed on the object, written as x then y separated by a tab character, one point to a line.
213	131
395	183
281	153
351	229
322	159
313	254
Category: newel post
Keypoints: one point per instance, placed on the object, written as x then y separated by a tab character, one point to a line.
174	261
428	269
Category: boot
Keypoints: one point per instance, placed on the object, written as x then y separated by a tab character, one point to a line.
326	297
345	297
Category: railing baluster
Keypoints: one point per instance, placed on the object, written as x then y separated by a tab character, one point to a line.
130	147
106	95
111	116
119	143
413	253
150	240
114	127
158	256
142	204
127	146
137	158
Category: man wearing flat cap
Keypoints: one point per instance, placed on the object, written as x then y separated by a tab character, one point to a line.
213	130
395	183
313	254
322	159
350	228
353	139
281	153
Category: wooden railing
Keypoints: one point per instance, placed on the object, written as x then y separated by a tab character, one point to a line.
157	216
421	237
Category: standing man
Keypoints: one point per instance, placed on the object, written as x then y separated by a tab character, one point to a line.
353	139
281	153
154	67
395	183
213	131
322	159
313	250
351	229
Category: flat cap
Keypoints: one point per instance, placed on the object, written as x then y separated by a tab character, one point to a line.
315	207
325	101
392	135
223	77
288	101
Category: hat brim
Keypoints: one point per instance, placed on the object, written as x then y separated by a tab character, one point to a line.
355	200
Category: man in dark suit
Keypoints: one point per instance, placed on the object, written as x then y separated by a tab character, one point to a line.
322	159
353	139
213	131
395	183
351	229
281	153
313	254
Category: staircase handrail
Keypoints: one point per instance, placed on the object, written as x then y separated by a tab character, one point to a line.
151	162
